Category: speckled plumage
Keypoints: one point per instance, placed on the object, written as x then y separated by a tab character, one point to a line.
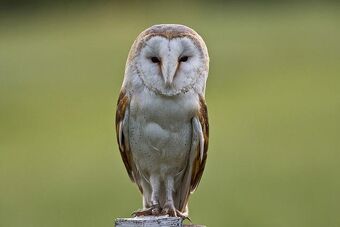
161	119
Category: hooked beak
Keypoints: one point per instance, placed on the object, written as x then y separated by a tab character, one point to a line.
169	70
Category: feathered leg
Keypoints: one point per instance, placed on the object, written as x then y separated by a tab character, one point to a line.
154	208
169	207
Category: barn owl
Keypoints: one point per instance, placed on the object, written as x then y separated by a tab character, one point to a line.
162	120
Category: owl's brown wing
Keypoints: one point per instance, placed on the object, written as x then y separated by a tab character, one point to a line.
197	157
202	147
122	132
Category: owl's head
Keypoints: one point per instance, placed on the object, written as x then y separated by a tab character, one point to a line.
170	59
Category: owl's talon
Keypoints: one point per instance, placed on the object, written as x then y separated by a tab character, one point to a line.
169	211
173	212
156	210
153	210
186	217
182	215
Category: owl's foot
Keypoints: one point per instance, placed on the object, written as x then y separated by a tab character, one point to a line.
170	210
154	210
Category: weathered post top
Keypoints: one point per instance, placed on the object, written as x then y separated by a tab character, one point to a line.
152	221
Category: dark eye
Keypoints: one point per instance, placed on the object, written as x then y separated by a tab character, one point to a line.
184	59
155	60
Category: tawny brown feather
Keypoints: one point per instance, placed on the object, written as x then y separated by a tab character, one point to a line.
125	152
164	31
199	163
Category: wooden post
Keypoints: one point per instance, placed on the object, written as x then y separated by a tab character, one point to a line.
152	221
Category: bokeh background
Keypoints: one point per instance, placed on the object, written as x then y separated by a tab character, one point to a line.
273	96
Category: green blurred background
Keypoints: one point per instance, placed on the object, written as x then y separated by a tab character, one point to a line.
274	106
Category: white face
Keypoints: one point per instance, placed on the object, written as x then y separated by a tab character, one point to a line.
171	66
